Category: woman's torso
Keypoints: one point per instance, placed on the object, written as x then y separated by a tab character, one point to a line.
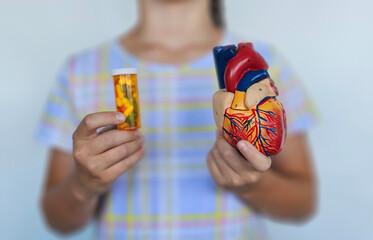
169	194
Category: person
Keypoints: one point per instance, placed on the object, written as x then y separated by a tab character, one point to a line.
176	178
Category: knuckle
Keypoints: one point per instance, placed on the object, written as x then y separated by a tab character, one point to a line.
134	134
93	168
127	164
236	182
132	162
87	120
220	183
251	177
137	158
227	154
123	150
137	145
105	179
79	154
223	183
256	177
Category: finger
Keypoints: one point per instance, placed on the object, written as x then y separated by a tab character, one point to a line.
214	170
118	153
112	139
227	172
93	121
258	160
120	167
232	157
235	179
106	129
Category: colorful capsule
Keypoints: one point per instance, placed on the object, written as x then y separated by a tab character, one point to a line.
126	97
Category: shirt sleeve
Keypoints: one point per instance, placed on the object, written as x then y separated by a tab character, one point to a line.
58	121
300	111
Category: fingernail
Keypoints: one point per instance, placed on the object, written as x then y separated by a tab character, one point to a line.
241	145
120	117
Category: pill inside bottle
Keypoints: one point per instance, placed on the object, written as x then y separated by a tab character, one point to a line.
126	97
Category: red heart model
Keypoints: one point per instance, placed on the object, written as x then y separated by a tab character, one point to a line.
263	125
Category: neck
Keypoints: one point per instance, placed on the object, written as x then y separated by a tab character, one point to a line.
175	23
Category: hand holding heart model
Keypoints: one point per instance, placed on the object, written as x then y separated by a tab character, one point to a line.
245	107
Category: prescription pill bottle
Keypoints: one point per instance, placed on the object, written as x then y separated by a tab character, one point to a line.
126	97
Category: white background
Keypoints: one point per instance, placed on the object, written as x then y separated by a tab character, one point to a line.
329	43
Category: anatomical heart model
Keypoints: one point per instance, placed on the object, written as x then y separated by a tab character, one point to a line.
245	107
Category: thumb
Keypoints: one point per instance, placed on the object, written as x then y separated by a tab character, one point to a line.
93	121
258	160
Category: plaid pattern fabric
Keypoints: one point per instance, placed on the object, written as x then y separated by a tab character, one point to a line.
169	194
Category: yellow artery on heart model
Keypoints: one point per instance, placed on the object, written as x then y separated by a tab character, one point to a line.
245	107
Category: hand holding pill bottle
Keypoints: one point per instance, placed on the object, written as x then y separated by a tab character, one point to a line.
126	97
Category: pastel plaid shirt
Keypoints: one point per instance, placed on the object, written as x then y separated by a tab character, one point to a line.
169	194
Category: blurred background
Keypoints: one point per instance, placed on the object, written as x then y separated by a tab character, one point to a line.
328	43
